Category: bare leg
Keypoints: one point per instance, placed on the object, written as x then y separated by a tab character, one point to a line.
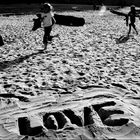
133	25
45	46
129	29
45	39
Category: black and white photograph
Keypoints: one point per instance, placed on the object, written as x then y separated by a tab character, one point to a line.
70	70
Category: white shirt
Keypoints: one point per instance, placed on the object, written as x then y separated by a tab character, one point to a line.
47	19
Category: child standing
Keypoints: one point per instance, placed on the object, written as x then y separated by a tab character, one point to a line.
132	15
48	21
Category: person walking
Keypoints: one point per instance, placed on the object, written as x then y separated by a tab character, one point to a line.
48	20
132	18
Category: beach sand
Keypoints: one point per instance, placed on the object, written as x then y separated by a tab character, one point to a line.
84	86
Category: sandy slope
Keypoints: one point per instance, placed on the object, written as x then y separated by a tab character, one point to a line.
61	84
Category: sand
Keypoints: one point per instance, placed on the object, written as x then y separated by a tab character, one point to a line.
84	86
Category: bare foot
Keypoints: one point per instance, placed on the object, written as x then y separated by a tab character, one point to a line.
45	46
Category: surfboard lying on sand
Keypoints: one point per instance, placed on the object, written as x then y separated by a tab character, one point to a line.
69	20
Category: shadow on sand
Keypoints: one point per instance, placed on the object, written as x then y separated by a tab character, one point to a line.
7	64
122	39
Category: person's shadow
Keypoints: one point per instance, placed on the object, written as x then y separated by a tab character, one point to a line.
7	64
122	39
